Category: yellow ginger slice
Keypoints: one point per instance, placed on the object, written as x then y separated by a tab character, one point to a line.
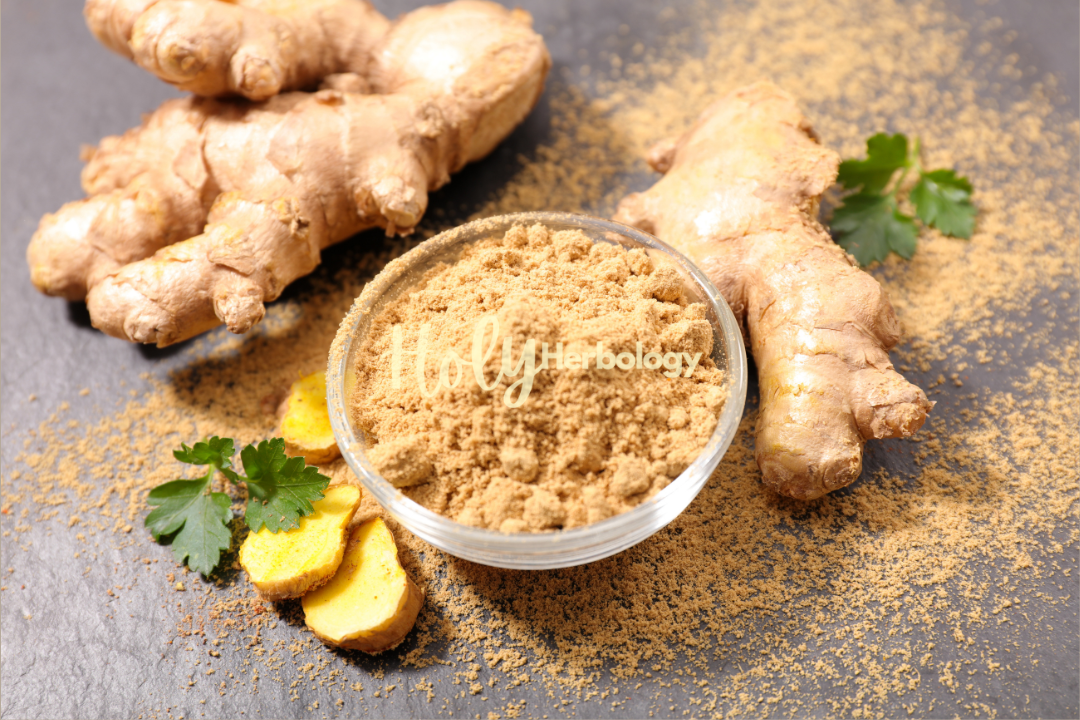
370	604
305	426
288	564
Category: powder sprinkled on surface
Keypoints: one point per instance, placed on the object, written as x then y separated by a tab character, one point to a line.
939	587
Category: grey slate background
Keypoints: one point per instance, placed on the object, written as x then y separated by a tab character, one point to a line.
61	90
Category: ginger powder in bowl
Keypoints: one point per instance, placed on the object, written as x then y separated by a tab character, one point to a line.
537	377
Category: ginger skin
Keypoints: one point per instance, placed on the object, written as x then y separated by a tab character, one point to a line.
740	197
254	48
238	199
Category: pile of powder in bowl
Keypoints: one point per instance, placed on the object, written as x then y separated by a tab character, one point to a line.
562	382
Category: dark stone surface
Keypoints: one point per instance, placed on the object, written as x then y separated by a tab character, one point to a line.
86	655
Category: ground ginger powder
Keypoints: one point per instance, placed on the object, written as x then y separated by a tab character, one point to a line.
596	390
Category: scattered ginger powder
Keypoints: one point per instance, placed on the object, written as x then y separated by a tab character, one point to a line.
942	583
596	390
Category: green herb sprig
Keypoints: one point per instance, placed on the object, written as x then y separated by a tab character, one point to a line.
281	490
870	224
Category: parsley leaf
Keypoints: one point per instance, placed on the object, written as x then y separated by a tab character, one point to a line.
885	154
943	200
216	451
280	489
869	224
202	520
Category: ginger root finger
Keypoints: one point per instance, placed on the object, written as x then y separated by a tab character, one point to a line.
243	259
485	78
370	604
253	48
305	426
740	196
86	240
148	189
290	563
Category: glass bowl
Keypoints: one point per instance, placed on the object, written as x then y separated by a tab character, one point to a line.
560	548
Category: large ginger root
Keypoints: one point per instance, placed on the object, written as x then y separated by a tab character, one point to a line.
288	564
740	197
270	184
370	604
254	48
305	426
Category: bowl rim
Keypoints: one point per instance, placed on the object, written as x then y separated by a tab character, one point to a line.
433	525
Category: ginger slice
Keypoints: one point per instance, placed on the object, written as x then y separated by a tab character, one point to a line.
305	426
370	604
288	564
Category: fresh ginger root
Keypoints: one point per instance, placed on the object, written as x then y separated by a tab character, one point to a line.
269	185
305	426
254	48
290	563
740	197
370	604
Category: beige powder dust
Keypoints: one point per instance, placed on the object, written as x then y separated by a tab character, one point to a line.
945	586
562	446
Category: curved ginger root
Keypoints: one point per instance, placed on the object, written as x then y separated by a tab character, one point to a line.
254	48
270	184
740	196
